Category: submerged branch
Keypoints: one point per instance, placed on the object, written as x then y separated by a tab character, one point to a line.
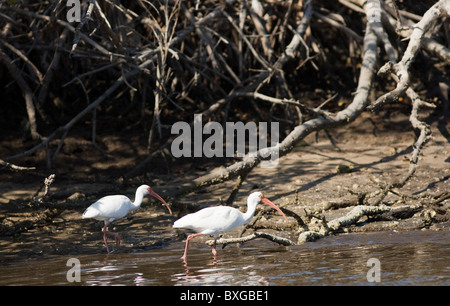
277	239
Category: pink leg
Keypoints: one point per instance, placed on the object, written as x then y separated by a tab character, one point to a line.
214	253
104	236
116	236
184	257
214	248
106	232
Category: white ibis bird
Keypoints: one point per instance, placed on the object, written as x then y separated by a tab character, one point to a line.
220	219
114	207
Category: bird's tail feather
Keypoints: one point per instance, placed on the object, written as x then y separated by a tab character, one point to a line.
90	213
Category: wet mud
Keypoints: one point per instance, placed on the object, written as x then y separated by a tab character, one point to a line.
315	176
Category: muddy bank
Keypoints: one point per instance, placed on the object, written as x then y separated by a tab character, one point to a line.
319	180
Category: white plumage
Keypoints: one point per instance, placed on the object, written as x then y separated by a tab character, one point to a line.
220	219
109	208
114	207
214	220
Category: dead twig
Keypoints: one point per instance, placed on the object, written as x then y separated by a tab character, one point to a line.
7	165
37	200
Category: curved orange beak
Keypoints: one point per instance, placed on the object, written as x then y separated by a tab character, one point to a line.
154	194
268	202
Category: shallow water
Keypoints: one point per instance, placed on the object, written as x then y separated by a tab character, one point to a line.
405	258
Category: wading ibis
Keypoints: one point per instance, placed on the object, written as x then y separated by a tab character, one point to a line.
220	219
114	207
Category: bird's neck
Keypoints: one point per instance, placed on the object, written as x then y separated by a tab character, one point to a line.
137	200
248	215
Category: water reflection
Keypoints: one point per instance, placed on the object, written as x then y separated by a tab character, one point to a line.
219	272
410	258
103	272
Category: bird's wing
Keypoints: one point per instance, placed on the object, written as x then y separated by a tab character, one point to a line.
114	206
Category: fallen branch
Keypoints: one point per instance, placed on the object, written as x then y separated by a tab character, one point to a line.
385	212
400	212
351	218
226	241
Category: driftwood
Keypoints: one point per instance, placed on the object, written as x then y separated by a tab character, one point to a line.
279	240
351	218
382	211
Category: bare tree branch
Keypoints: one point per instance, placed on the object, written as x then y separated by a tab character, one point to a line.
401	69
359	104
